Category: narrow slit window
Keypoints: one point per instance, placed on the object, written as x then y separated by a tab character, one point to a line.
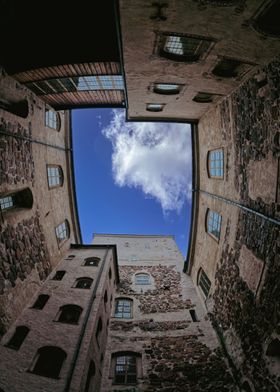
193	315
49	361
41	301
59	275
83	283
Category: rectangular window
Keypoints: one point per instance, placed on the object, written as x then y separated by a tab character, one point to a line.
142	279
126	372
61	231
51	119
214	222
204	283
123	308
216	163
54	176
6	202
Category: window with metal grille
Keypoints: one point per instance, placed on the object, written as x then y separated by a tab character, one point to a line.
214	222
49	361
6	202
183	47
204	282
83	283
166	88
69	314
51	119
55	176
62	231
123	308
125	369
216	163
142	279
18	337
41	301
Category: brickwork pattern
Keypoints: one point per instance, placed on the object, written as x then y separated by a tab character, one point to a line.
16	157
166	295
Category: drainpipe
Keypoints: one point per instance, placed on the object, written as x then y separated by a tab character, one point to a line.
83	329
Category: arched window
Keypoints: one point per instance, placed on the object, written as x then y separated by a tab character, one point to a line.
126	367
55	176
142	278
92	261
213	223
273	349
83	283
49	361
155	107
18	337
41	301
202	97
58	275
62	232
123	308
203	282
90	375
20	199
215	163
52	119
69	314
98	329
166	88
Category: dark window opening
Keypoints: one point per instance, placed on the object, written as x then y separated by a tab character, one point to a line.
70	314
83	283
273	349
110	273
154	107
92	261
55	176
58	275
41	301
98	330
49	361
18	337
193	315
267	21
105	297
19	108
227	68
21	199
90	375
246	387
203	97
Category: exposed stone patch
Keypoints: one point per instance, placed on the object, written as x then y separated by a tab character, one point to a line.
164	298
16	158
147	325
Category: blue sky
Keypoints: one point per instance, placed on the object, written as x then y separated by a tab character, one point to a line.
131	177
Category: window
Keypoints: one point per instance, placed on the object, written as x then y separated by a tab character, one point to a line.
69	314
204	282
216	163
92	262
125	369
142	279
90	375
193	315
62	231
110	273
55	176
154	107
49	361
105	297
52	119
183	47
98	330
58	275
227	68
203	97
41	301
18	337
166	88
267	20
83	283
273	349
123	308
214	221
21	199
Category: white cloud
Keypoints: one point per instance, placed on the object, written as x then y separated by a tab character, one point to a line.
155	157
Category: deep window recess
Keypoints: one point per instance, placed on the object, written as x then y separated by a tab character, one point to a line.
20	199
52	119
214	222
142	279
123	308
105	297
273	349
92	261
203	97
90	375
154	107
216	163
62	231
125	369
41	301
49	361
110	273
83	283
69	314
204	282
98	330
55	176
227	68
193	315
166	88
18	337
58	275
267	21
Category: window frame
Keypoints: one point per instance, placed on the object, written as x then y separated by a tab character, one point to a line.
46	298
143	274
213	213
50	122
175	91
149	107
201	275
83	278
65	308
20	329
122	312
60	176
209	160
61	241
137	367
38	356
